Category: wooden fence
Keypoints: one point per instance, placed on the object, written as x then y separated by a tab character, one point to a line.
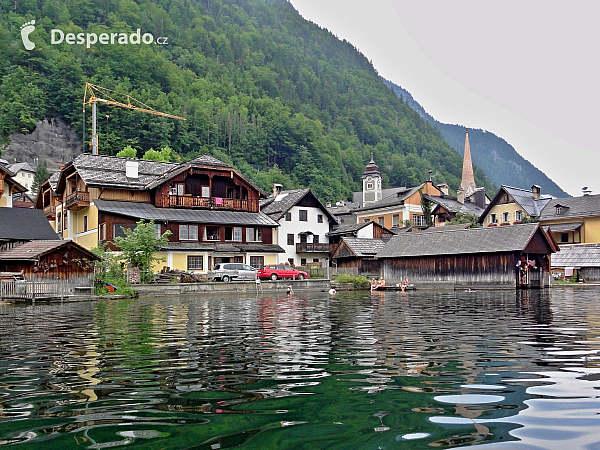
44	288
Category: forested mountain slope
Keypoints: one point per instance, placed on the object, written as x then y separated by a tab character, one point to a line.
498	159
262	88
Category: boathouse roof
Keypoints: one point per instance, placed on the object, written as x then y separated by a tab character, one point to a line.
577	255
25	224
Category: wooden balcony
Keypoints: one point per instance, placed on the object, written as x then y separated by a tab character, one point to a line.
50	212
314	248
178	201
77	200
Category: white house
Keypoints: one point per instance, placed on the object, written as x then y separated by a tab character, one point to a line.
24	174
304	226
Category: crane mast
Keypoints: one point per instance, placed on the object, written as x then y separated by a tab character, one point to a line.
96	94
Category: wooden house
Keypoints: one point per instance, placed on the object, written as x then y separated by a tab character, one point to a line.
47	199
364	230
48	259
211	210
515	256
357	256
583	258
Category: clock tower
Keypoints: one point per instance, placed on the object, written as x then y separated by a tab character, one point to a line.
371	188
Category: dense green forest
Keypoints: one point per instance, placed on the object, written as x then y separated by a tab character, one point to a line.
280	98
496	157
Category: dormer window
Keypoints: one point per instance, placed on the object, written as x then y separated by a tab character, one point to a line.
559	210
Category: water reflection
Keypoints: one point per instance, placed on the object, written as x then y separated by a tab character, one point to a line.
389	370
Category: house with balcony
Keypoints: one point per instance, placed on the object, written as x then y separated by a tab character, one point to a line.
573	220
304	224
512	206
211	209
9	186
47	200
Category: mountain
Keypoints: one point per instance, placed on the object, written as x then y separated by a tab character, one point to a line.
278	97
498	159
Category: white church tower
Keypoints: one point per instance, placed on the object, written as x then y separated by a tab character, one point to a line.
371	189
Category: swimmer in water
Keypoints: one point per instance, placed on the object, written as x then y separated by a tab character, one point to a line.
290	291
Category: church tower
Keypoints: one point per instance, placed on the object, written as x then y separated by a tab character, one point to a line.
371	179
467	184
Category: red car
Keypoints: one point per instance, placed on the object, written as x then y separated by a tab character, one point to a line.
275	271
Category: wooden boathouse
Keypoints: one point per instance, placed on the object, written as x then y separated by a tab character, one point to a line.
516	256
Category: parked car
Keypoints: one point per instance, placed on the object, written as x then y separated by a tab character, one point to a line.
232	271
276	271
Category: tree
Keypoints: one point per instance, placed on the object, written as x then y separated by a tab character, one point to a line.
140	245
460	217
127	152
153	155
41	175
427	206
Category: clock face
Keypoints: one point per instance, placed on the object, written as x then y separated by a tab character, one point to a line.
369	178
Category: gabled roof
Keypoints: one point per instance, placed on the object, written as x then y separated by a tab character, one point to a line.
361	247
204	161
452	205
468	241
585	206
25	224
148	211
524	198
9	178
563	227
276	207
348	228
109	171
35	249
15	168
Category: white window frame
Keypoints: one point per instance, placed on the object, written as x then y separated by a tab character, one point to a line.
493	218
518	215
418	220
505	217
396	220
237	234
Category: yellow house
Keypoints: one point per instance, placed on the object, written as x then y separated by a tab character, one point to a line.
24	174
573	220
211	210
8	187
512	206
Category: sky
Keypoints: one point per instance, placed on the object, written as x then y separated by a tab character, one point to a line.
527	71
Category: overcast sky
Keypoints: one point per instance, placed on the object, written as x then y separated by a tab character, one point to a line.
526	71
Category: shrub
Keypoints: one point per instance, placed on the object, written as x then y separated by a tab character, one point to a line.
358	282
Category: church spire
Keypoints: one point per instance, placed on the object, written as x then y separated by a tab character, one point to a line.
468	179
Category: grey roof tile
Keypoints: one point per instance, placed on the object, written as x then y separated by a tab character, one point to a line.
578	255
585	206
25	224
396	196
362	247
467	241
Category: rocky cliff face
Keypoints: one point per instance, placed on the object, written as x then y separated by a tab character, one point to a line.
52	140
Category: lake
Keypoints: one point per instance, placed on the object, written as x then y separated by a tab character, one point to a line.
419	369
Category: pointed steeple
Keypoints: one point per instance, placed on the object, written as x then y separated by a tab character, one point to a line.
468	179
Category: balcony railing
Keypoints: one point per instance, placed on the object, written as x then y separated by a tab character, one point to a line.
313	248
213	203
77	200
50	211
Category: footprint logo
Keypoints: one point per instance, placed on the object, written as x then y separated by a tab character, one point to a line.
26	30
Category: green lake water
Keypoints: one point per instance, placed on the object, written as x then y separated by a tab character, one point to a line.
389	370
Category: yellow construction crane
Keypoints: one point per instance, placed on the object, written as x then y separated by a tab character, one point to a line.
94	94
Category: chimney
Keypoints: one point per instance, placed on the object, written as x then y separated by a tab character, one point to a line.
536	191
277	189
444	188
131	169
480	198
460	195
586	191
328	205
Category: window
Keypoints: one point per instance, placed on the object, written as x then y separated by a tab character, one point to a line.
118	230
302	261
315	259
505	217
320	218
559	210
205	191
158	230
180	189
291	261
290	239
303	238
315	239
564	237
195	263
419	220
380	220
288	217
102	232
253	234
188	232
396	220
237	234
59	222
85	223
66	220
493	218
369	185
518	216
212	233
365	220
303	215
258	262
